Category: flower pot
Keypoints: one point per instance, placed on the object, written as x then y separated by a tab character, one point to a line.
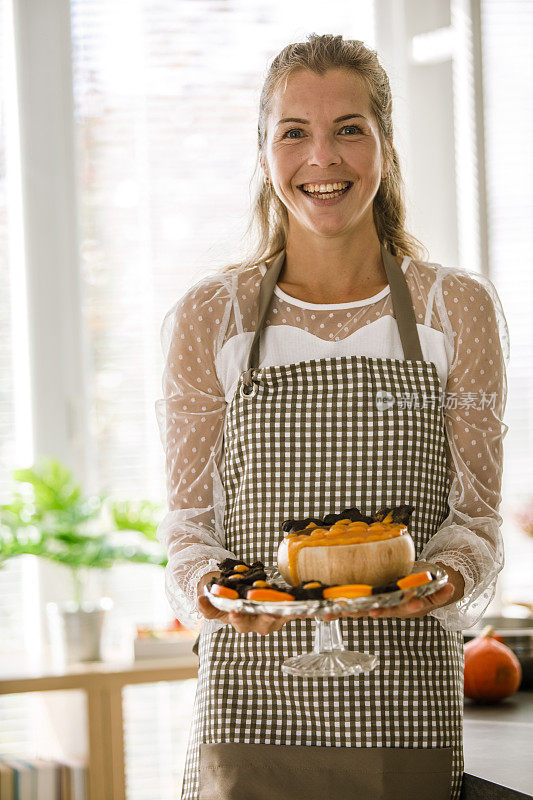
75	632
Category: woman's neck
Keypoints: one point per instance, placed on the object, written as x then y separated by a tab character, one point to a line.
333	275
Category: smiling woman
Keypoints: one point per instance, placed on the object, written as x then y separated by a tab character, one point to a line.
274	410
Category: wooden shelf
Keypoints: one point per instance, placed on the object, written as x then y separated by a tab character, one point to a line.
103	682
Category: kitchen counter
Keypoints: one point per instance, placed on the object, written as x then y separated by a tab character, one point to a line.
498	749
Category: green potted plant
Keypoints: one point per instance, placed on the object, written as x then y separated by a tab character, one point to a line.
53	519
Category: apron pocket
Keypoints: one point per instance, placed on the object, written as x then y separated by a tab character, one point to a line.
235	771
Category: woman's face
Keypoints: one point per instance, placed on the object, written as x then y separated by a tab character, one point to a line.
321	150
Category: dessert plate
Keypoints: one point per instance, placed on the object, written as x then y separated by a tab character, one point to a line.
320	608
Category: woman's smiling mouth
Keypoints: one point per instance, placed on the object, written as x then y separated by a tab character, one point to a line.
326	198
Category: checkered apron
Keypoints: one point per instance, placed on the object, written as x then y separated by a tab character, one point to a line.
313	438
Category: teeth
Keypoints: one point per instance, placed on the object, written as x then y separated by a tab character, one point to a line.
325	187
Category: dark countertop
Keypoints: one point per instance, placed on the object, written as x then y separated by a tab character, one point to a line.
498	749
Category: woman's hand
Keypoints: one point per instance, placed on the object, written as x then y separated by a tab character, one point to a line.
263	624
417	607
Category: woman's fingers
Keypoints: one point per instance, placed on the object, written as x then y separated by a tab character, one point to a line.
243	623
441	596
417	607
256	623
207	609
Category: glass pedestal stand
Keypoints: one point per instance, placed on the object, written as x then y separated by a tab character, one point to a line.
329	658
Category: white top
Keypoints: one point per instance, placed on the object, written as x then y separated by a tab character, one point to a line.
206	338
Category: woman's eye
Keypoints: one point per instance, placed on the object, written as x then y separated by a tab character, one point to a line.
295	130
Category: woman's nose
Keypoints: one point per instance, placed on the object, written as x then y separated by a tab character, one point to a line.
323	152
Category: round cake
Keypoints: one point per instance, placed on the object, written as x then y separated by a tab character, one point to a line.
348	551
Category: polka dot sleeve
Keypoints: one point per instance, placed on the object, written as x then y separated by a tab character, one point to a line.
191	417
470	540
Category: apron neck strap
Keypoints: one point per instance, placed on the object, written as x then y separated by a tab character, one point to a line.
401	302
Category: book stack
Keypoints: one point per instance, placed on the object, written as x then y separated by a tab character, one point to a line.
37	779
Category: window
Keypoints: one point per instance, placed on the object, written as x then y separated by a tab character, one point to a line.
508	106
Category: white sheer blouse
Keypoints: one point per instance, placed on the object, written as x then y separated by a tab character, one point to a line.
206	337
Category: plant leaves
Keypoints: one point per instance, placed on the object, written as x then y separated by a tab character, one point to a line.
135	516
59	523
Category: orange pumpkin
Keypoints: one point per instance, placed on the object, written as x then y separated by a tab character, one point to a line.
492	671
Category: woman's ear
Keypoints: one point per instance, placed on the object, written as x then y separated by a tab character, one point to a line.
264	168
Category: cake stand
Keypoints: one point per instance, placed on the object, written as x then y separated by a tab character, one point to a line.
329	657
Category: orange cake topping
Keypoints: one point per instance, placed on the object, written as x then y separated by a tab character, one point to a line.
224	591
415	579
269	595
347	590
342	532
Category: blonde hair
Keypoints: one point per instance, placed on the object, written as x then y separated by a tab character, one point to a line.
269	222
